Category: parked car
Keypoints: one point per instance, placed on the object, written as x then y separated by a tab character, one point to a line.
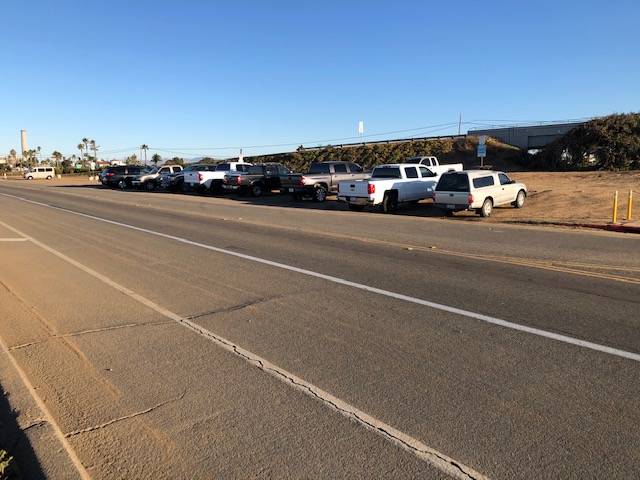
388	186
211	179
174	182
39	172
258	179
433	164
321	180
121	176
478	190
148	180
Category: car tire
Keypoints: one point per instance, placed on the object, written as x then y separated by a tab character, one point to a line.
256	190
389	202
519	201
319	194
216	188
122	184
49	177
296	196
486	209
356	208
149	185
29	178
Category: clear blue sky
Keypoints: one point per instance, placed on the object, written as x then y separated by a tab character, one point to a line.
194	78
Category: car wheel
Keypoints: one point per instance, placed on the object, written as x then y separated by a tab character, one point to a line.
256	190
122	184
519	202
29	178
181	187
487	208
296	196
216	188
319	194
150	186
49	177
356	208
389	202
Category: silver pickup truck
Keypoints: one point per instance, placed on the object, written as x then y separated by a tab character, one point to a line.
321	180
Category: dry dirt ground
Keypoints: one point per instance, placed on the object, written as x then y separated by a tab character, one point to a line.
574	197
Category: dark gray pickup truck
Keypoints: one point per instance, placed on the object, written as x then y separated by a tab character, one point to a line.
258	179
321	180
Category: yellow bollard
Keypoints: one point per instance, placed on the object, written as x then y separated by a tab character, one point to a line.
615	207
629	205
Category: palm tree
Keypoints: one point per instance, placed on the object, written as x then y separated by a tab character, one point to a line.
81	148
85	140
38	160
144	147
94	147
155	159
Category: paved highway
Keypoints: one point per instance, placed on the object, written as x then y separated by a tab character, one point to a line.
152	335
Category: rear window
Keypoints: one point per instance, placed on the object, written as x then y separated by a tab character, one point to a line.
386	172
255	170
340	168
483	182
454	182
223	167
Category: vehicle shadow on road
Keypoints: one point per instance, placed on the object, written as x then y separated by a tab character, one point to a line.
423	209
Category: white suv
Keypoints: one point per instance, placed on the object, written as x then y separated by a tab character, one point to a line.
478	190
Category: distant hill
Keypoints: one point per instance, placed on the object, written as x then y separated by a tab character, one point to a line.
458	150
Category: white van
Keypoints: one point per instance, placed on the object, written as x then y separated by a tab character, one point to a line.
39	172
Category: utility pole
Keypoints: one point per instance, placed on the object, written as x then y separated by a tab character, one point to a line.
460	125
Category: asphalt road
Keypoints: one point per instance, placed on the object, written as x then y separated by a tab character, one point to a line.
153	335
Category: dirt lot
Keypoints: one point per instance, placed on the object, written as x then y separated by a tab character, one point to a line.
574	197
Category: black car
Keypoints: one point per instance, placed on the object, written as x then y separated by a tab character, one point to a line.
121	176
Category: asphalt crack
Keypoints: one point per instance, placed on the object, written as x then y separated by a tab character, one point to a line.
126	417
86	332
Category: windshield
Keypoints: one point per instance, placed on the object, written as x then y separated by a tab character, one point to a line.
154	170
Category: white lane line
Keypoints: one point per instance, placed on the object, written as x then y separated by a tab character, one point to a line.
399	296
438	460
13	239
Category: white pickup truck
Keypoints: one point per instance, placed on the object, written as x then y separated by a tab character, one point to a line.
388	186
433	164
212	177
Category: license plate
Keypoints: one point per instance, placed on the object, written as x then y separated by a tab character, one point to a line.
291	190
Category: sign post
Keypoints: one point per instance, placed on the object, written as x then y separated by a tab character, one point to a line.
482	150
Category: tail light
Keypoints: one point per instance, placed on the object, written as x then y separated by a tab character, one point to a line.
239	179
470	199
303	181
110	174
371	188
200	177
